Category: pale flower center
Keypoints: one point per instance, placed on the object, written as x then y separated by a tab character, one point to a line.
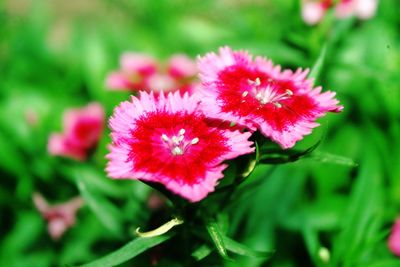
267	94
178	144
161	83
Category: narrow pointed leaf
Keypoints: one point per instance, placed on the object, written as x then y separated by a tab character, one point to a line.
335	159
129	251
319	63
243	250
276	156
106	212
217	237
201	252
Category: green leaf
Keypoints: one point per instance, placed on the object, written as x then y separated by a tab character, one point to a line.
107	213
201	252
362	220
319	63
96	180
385	263
279	156
10	158
217	237
312	243
243	250
331	158
127	252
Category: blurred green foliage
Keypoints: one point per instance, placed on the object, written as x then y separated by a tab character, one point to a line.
56	54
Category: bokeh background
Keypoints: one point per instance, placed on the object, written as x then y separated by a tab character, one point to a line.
56	54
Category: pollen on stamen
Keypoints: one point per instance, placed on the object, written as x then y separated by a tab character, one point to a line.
289	92
194	141
256	82
164	138
182	131
277	104
175	140
245	93
177	151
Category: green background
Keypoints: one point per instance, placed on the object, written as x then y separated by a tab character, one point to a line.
56	54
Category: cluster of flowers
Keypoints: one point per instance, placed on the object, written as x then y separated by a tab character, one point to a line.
182	140
313	11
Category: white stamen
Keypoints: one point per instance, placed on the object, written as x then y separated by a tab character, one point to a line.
164	138
177	151
177	144
289	92
256	82
277	104
245	93
175	140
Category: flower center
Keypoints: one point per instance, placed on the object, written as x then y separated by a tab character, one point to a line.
178	144
267	94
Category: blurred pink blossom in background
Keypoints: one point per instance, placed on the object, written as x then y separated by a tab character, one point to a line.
82	130
143	72
394	238
313	11
59	217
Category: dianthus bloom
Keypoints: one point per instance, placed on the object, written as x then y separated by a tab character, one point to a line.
282	104
82	130
143	72
59	217
313	11
169	140
394	238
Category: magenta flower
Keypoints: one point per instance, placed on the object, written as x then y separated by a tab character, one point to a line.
142	72
169	140
282	104
59	217
313	11
394	238
82	130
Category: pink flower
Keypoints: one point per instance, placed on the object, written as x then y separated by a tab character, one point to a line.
363	9
313	11
142	72
282	104
169	140
394	238
59	217
82	130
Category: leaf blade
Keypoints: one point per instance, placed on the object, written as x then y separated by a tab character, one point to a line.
217	237
129	251
243	250
319	63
